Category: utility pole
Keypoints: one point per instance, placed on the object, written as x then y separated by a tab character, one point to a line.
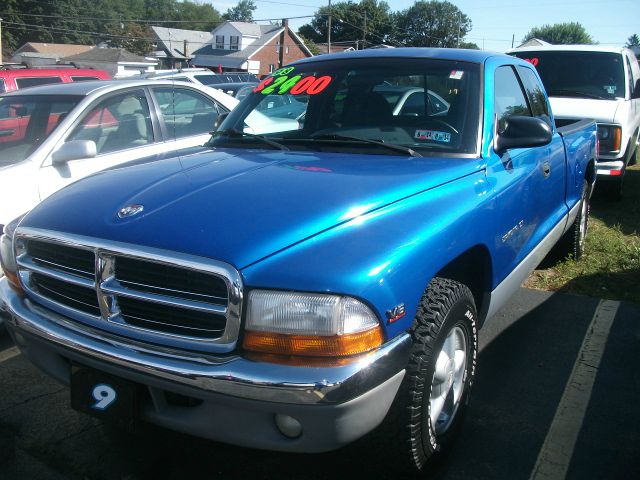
329	30
459	24
364	32
0	41
513	38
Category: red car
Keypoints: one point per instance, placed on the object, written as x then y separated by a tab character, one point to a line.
16	79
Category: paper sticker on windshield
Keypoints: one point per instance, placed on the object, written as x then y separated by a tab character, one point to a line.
433	136
456	74
611	89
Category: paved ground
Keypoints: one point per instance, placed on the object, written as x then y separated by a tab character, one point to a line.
520	406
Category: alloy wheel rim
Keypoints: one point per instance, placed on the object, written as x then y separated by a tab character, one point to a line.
448	380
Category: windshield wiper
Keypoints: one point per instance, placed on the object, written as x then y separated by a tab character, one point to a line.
346	138
576	93
232	132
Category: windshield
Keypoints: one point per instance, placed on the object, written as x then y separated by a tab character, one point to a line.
361	106
27	120
598	75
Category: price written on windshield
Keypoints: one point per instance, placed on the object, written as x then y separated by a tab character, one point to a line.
281	83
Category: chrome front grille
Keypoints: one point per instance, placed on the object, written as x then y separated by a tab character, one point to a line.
148	294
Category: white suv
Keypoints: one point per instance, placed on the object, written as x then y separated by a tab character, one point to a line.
603	83
204	76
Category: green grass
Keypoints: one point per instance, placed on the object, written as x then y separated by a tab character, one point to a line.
610	267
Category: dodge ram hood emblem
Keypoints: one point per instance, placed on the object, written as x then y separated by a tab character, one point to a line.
130	210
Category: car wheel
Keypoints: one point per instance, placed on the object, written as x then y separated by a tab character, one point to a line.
429	407
581	224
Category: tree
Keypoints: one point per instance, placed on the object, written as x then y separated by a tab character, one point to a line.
310	44
367	23
431	24
242	12
560	34
633	41
469	45
133	37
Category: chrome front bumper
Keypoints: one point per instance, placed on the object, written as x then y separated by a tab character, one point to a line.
230	375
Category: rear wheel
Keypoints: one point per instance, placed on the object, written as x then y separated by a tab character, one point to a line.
430	405
572	243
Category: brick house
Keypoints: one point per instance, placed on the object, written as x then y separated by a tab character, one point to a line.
259	49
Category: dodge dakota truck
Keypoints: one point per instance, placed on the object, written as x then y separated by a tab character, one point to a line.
297	290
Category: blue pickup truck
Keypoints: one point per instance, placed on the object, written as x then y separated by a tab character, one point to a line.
295	290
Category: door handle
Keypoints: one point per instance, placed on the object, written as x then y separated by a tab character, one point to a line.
546	169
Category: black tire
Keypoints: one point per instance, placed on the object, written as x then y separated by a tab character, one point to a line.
573	241
447	309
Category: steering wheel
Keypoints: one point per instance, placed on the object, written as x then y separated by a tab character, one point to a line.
446	124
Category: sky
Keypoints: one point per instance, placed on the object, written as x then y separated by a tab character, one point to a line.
495	22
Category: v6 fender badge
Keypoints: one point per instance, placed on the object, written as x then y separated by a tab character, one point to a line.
396	314
130	210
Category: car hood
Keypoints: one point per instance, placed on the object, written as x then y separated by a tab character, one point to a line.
603	111
235	205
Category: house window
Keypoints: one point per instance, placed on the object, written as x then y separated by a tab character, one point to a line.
235	42
286	50
272	67
220	41
278	47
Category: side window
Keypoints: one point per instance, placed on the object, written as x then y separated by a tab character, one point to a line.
186	112
117	123
83	79
535	94
630	79
509	98
35	81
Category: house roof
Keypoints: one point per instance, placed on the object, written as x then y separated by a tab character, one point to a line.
57	49
112	55
172	40
245	28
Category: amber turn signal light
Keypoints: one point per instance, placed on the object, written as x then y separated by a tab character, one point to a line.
313	345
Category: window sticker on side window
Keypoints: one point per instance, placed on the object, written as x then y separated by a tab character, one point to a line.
456	74
433	135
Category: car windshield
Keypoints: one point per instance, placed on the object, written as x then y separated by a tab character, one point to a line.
597	75
361	106
27	120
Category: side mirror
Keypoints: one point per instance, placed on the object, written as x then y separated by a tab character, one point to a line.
636	90
523	132
74	150
219	119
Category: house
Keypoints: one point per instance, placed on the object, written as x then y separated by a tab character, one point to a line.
242	46
534	42
119	62
175	45
34	54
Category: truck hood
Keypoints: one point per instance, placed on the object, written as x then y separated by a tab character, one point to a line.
239	206
603	111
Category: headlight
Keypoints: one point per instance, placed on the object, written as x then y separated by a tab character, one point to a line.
320	325
610	137
7	255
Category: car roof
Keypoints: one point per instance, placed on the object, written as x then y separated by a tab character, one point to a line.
232	84
456	54
570	48
47	72
88	87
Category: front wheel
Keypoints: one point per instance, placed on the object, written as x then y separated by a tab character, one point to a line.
435	391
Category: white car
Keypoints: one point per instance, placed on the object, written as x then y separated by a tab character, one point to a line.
53	135
593	81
